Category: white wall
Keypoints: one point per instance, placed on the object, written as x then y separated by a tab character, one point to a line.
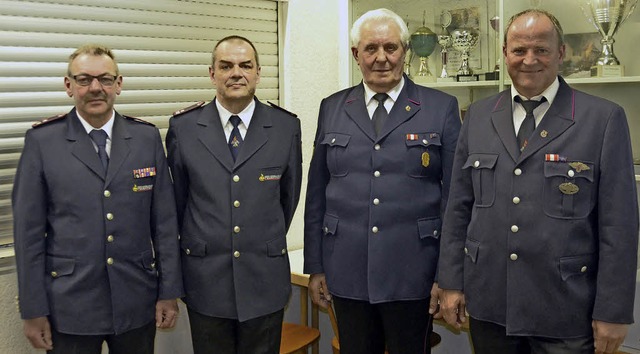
316	64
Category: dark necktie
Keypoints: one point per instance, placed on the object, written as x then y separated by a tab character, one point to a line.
99	137
235	139
380	114
529	123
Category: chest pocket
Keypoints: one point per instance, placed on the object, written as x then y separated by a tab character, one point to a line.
482	168
569	191
423	155
336	145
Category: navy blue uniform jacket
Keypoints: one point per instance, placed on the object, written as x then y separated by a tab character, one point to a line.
528	256
374	204
64	236
234	216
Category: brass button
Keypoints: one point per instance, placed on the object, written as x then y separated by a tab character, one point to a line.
236	178
54	274
514	228
513	257
374	229
376	201
571	173
107	193
236	204
377	173
109	261
517	172
236	229
110	238
109	216
583	269
516	200
236	254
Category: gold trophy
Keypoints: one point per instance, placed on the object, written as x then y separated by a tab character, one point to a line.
607	16
423	42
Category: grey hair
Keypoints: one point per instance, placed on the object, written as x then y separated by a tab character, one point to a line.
379	15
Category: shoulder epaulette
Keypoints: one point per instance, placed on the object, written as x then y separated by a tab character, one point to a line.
280	108
139	120
49	120
190	108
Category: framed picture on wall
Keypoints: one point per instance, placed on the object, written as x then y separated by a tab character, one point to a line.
582	52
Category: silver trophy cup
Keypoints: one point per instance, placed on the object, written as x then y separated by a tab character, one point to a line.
464	40
607	16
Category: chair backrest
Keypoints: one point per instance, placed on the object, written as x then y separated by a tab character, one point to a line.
296	337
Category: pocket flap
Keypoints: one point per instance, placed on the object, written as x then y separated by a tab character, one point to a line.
277	247
193	246
555	169
330	225
577	265
336	139
471	248
60	266
429	228
423	139
481	161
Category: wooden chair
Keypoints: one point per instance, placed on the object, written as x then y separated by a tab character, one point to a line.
335	342
296	338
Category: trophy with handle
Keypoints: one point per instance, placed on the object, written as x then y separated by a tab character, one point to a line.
607	16
464	40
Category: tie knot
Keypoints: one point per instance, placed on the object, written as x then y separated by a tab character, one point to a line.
529	105
99	137
380	97
235	121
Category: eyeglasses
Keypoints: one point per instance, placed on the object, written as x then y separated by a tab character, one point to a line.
86	80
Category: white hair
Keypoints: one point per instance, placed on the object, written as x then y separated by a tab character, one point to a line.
379	15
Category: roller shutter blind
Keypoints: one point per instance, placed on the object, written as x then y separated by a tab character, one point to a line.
163	49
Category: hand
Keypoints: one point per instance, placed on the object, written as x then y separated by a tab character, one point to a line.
319	291
38	331
453	307
434	302
608	337
166	313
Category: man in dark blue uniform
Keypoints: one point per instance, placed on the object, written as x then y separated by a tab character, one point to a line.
95	224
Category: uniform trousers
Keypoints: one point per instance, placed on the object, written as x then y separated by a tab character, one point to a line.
214	335
403	327
491	338
136	341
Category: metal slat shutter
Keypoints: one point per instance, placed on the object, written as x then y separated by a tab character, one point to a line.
163	49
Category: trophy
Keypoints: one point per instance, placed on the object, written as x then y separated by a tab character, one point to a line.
607	16
464	40
444	40
495	75
407	59
423	42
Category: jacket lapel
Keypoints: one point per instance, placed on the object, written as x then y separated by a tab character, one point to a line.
256	135
502	119
356	109
211	135
81	145
405	107
119	147
556	121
